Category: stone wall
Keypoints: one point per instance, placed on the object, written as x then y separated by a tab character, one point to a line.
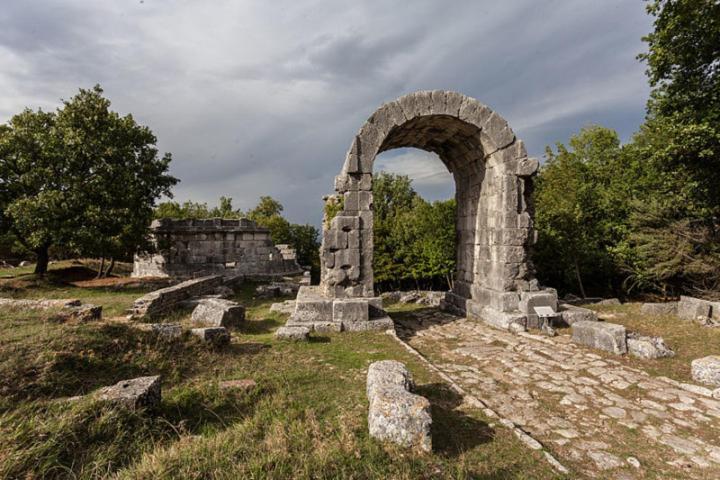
193	248
159	302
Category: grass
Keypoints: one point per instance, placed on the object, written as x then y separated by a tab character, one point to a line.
688	339
305	419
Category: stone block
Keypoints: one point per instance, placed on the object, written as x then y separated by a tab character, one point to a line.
395	414
136	393
349	257
706	370
217	336
530	300
690	308
327	327
292	333
494	318
375	325
647	347
527	167
312	306
82	313
350	310
167	331
601	335
346	223
334	239
609	301
668	308
570	314
218	312
385	374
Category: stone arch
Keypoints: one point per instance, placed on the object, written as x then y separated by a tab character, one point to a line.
494	227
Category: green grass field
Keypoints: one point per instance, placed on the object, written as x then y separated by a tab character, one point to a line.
305	419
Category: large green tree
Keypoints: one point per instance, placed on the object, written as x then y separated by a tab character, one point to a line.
83	178
683	58
581	203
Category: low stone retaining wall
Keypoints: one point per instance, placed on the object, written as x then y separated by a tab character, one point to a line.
164	300
39	304
667	308
395	414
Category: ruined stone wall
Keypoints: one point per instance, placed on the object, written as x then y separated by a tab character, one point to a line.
193	248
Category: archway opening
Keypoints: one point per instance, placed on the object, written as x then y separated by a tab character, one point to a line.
413	222
494	278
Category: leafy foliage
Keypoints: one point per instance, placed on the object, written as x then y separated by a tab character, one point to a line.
682	59
414	240
83	178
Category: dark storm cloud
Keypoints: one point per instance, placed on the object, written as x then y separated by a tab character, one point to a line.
258	98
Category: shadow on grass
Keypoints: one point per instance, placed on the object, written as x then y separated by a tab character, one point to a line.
453	431
265	325
66	439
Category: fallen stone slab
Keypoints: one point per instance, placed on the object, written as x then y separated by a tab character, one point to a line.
601	335
217	336
374	325
41	304
218	312
395	414
609	301
297	334
164	300
167	331
667	308
136	393
82	313
706	370
647	347
690	308
570	314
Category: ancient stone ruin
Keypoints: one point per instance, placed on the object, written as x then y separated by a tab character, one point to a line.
194	248
494	280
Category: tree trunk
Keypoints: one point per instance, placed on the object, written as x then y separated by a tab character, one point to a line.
579	279
110	268
43	258
102	267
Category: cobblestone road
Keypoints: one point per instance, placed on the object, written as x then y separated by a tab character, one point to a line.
601	418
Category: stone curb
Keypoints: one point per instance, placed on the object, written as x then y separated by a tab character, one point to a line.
475	402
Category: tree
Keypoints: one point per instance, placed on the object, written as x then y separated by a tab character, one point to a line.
683	59
83	177
414	240
581	210
674	243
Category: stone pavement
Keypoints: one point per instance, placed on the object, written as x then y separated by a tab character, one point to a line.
597	416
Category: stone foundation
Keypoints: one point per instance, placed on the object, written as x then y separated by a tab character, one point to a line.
193	248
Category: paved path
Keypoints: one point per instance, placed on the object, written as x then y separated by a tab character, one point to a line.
597	416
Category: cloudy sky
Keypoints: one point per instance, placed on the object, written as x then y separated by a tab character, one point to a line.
263	97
